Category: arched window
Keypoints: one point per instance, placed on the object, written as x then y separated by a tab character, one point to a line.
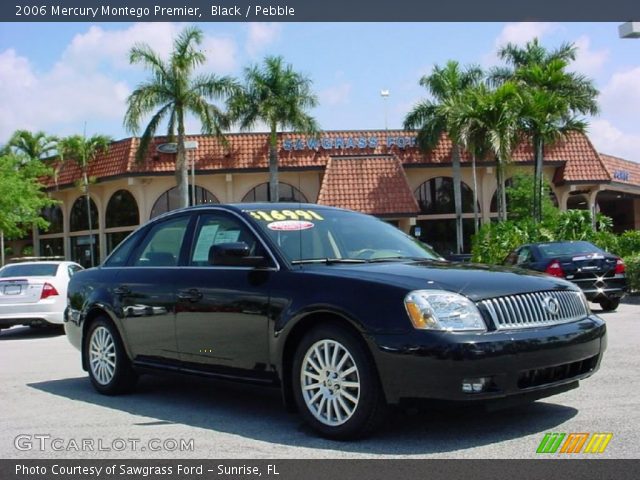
122	210
435	197
170	200
78	220
286	192
53	215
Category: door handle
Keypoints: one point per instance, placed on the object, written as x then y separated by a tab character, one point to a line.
191	295
122	290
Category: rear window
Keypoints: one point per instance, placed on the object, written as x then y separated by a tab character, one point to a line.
34	270
568	248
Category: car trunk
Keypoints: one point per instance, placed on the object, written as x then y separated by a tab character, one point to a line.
21	290
588	265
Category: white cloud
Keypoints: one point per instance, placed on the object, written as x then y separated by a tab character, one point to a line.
609	139
518	33
335	95
521	32
620	97
57	101
89	50
588	61
260	36
222	55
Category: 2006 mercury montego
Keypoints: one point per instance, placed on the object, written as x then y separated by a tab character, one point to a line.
342	311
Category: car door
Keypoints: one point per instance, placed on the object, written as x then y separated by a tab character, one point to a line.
147	291
222	311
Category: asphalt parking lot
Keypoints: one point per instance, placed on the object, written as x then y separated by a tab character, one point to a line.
45	392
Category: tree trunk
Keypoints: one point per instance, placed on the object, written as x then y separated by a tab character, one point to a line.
457	196
476	225
85	181
537	178
501	194
1	248
182	172
274	194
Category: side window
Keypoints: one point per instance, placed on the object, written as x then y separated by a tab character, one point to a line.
214	229
161	246
120	255
524	255
73	269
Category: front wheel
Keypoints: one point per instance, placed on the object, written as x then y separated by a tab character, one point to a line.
335	384
110	370
610	304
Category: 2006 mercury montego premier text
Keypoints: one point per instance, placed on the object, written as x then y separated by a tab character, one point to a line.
342	311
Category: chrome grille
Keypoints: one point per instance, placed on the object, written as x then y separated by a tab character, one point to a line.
528	310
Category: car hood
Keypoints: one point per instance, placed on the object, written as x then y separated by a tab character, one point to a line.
475	281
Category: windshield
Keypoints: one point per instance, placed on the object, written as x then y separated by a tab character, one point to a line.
322	234
33	270
568	248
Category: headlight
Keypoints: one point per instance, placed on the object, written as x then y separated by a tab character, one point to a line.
442	310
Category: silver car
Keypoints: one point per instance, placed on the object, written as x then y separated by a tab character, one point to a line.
34	293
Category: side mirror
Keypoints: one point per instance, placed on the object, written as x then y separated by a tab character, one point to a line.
235	254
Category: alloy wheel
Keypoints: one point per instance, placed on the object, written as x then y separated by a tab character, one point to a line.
330	382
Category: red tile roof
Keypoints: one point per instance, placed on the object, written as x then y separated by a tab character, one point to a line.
622	171
375	185
582	160
250	151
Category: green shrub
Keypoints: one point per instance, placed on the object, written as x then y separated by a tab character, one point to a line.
27	251
629	244
632	270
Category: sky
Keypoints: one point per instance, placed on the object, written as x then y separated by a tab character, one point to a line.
68	78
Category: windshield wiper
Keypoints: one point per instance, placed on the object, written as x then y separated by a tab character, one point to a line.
400	259
328	261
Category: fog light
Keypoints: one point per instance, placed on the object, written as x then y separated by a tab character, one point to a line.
476	385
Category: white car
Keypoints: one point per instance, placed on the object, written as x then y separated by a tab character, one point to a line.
34	293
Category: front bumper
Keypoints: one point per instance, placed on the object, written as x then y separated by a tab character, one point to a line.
534	362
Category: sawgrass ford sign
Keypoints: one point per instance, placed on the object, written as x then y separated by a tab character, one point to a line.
347	143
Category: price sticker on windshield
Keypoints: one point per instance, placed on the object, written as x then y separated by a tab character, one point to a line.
282	215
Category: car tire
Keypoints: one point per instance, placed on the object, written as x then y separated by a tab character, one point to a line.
336	386
609	305
109	366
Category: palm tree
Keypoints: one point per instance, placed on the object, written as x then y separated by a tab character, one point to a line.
553	98
489	120
83	151
173	91
35	146
433	118
280	97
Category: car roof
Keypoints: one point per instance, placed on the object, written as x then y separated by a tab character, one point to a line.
241	207
43	262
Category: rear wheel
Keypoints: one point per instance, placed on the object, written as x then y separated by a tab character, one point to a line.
110	369
610	304
335	384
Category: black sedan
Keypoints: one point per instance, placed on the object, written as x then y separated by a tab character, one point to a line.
600	275
343	312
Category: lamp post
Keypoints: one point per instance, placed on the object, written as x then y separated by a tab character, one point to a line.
385	96
629	30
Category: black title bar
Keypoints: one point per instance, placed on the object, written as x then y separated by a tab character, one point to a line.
317	10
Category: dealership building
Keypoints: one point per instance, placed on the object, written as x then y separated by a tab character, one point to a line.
381	173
